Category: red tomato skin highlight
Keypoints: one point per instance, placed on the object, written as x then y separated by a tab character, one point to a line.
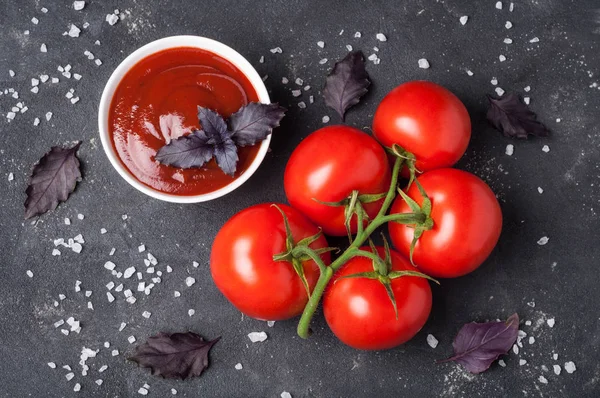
243	269
328	165
426	119
360	313
467	224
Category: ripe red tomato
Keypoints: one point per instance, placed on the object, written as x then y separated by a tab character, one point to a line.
242	266
426	119
328	165
359	311
467	223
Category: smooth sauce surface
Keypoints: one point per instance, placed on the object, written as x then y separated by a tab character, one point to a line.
157	100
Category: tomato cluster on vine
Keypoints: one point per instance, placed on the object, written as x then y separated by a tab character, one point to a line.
272	261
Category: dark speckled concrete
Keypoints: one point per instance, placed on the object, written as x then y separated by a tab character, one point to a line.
561	278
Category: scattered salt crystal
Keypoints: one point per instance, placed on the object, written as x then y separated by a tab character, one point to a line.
169	268
142	390
348	47
69	376
502	58
99	382
302	105
59	323
526	100
546	148
522	362
74	100
508	41
515	349
381	37
98	62
52	365
189	281
191	312
257	336
284	80
325	119
150	270
78	5
270	323
74	31
531	339
531	304
128	272
543	240
510	148
64	331
110	285
114	353
44	10
35	21
321	44
499	5
556	369
29	273
499	91
131	339
238	366
112	19
469	72
176	294
109	265
35	90
543	380
62	297
423	63
141	248
286	394
66	367
570	367
90	305
323	61
296	93
11	73
432	341
43	48
102	231
110	297
558	120
146	314
122	326
195	264
36	121
173	391
131	300
463	20
55	80
508	25
127	293
341	32
540	190
550	322
77	76
535	40
276	50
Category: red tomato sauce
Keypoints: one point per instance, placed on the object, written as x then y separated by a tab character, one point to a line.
156	101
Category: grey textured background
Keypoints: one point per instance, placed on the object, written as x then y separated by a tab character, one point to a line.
561	278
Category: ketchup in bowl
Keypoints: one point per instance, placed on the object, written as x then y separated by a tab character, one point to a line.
156	101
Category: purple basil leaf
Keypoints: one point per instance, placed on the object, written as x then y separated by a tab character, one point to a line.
347	82
514	118
193	150
226	156
477	345
254	122
53	178
213	124
176	355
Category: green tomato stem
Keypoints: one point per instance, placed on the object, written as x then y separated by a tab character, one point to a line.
353	250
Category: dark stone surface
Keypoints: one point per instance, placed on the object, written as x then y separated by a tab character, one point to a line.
561	278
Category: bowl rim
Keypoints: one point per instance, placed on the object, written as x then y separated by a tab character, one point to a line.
153	47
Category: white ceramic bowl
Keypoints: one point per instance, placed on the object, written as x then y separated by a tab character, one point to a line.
162	44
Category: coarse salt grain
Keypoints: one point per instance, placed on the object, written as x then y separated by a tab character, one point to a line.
35	21
114	353
499	5
464	19
43	48
535	40
570	367
111	19
550	322
515	349
494	81
99	382
469	72
189	281
128	272
556	369
322	61
546	148
540	190
325	119
257	336
381	37
143	391
508	25
522	362
74	31
238	366
321	44
508	41
69	376
176	294
510	148
511	7
146	314
543	240
131	339
432	341
110	297
527	100
109	265
173	391
78	5
302	105
29	273
423	63
502	58
286	394
276	50
191	312
36	121
499	91
527	89
543	380
502	363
